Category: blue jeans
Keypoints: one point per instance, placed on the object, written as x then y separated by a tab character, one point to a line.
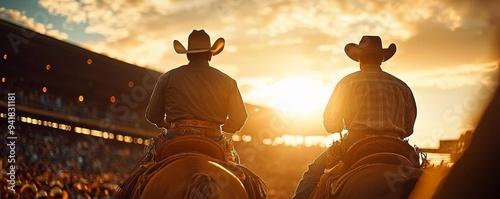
311	177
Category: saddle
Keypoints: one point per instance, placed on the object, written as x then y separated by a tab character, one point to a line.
372	150
191	144
377	149
168	151
381	149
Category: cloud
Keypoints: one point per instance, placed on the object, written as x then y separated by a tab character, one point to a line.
117	20
460	76
269	21
74	11
433	47
175	7
484	10
30	22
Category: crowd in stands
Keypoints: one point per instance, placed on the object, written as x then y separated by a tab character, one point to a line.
51	162
90	107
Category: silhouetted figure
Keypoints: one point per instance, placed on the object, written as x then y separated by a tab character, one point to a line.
197	99
366	102
200	108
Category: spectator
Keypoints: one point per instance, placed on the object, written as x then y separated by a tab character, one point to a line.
28	191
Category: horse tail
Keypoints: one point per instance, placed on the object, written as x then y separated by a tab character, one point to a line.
128	187
254	185
202	186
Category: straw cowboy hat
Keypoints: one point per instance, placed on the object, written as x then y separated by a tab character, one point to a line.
199	41
369	44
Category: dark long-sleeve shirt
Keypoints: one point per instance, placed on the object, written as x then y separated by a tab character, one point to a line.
371	99
197	91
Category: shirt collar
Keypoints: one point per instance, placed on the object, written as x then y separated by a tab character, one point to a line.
198	62
372	67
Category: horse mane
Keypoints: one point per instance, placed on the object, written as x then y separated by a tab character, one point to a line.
202	186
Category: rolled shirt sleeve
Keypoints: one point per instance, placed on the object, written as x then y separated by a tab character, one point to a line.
333	114
410	113
155	112
237	113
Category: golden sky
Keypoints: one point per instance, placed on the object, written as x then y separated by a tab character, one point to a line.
288	54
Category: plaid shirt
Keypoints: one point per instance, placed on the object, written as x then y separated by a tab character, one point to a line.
371	99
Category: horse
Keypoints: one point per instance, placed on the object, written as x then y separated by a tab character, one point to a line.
192	167
374	167
194	176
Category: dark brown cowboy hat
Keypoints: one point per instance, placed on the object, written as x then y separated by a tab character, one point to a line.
369	44
199	41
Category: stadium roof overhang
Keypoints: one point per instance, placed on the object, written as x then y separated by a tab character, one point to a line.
39	60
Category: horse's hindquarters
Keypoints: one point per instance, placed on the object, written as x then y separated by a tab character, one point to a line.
192	176
380	181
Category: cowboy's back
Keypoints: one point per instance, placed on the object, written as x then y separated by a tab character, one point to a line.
365	103
371	100
197	91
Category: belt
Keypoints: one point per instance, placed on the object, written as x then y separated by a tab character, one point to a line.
368	133
194	127
194	123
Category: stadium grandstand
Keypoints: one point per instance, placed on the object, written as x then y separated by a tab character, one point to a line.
79	122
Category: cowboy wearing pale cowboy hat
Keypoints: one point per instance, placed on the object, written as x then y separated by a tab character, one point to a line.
367	102
197	99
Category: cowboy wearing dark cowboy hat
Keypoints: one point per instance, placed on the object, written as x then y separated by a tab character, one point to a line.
194	101
197	99
367	102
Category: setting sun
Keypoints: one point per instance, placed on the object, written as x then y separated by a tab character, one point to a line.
296	96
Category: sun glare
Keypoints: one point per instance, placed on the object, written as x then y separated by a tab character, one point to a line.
296	96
